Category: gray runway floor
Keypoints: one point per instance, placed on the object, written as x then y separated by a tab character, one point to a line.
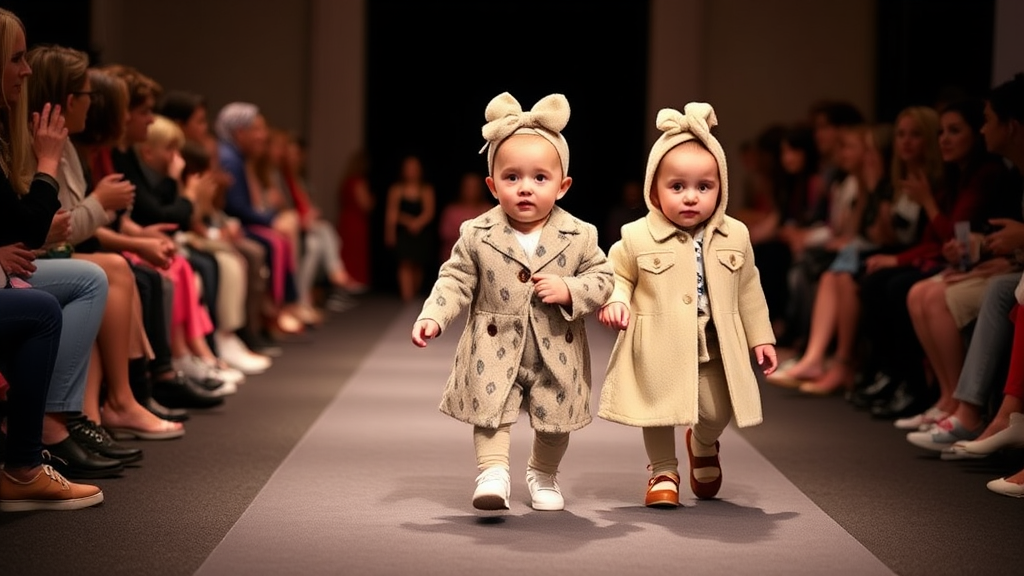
381	484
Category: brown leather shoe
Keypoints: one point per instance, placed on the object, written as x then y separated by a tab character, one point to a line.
663	497
47	491
703	490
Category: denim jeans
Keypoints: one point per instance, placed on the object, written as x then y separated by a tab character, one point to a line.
81	289
990	343
30	332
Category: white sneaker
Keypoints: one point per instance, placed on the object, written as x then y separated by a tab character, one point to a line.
544	490
921	422
228	374
234	352
204	375
492	489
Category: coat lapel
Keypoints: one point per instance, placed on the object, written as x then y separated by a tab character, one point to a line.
555	237
500	236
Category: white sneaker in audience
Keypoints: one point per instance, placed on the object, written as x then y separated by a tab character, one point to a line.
234	352
204	375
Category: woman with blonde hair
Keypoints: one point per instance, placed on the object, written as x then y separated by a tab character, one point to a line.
29	218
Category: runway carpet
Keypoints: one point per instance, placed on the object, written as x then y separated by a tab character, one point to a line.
338	462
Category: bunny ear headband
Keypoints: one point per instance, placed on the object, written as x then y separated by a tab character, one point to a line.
694	123
547	119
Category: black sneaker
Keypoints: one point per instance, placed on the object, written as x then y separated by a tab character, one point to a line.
94	437
75	461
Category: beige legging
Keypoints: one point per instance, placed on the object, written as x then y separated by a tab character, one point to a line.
492	446
232	291
714	411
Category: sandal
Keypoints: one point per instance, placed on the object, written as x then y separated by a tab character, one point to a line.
703	490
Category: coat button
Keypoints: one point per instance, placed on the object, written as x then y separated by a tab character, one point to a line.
492	330
687	299
568	337
732	259
524	276
657	262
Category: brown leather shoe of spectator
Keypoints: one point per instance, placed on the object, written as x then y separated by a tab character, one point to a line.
663	491
47	491
703	490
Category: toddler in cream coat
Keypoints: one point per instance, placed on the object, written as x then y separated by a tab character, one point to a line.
529	273
689	304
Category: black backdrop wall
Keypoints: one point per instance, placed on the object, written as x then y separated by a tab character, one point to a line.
433	68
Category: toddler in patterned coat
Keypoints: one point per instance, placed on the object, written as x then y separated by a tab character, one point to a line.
528	272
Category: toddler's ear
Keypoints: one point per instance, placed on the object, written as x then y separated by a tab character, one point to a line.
490	186
564	187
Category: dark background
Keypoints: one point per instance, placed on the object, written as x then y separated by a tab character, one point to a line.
433	66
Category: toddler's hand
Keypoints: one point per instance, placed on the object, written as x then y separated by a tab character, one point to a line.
551	289
766	358
614	315
424	330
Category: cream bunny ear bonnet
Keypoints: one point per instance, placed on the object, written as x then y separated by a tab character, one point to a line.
547	119
694	123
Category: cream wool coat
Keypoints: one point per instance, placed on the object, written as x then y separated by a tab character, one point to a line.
489	274
652	373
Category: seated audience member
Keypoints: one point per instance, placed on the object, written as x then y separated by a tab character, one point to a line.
30	218
321	251
242	132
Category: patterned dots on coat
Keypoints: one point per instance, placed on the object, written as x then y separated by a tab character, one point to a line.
561	261
517	325
560	397
441	301
540	413
490	276
546	343
462	405
491	387
505	295
476	405
501	353
575	374
515	342
510	372
563	358
571	410
479	367
541	251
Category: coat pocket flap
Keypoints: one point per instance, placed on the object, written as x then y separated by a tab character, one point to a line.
656	262
731	259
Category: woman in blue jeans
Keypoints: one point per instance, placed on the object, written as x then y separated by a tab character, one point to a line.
28	319
30	332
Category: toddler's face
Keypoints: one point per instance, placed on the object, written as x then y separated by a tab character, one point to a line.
687	185
527	180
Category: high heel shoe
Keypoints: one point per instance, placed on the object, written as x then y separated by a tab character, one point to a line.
1010	437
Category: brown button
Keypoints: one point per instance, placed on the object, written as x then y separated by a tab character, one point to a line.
524	275
568	337
657	262
492	330
687	299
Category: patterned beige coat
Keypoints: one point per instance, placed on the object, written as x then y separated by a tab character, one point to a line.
652	373
490	274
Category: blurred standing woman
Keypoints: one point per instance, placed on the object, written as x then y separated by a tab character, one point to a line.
355	204
410	209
